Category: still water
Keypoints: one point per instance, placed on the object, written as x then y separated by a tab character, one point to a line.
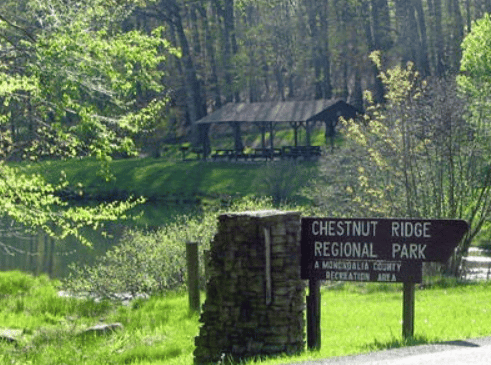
38	253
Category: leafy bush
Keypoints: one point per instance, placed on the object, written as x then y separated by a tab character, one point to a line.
281	179
152	262
16	282
141	263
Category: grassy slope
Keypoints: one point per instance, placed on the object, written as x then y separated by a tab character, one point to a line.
355	319
158	177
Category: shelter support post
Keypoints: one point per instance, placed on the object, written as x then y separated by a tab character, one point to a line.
295	126
239	146
307	134
330	132
271	135
263	135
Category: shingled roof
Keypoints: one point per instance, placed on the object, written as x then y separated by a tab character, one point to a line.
286	111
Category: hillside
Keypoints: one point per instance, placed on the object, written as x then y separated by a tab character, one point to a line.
160	179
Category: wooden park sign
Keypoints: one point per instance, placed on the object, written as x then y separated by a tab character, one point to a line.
373	250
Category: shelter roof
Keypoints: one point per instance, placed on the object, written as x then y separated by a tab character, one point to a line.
286	111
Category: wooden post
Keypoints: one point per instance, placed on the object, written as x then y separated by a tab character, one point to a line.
314	315
271	137
307	134
193	275
267	268
408	310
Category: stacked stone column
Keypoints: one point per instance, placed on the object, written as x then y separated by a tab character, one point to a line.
255	298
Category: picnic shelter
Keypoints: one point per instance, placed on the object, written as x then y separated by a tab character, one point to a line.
266	116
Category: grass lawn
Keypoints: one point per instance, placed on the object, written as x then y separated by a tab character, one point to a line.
159	177
160	330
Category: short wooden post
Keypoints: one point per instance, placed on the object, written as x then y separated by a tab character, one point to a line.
408	310
314	315
193	275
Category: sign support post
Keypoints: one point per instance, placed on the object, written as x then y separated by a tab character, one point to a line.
193	276
408	301
314	315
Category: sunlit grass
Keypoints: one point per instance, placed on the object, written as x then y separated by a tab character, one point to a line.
161	330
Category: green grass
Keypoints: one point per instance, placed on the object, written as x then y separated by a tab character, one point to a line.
159	178
160	330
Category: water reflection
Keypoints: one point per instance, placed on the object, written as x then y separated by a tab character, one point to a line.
38	253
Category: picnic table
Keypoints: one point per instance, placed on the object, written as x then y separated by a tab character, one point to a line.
267	153
306	152
285	152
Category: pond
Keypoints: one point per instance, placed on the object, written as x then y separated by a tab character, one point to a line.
41	254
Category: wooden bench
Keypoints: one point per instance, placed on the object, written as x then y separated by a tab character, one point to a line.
267	153
223	154
306	152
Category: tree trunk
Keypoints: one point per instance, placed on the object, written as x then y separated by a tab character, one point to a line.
403	30
457	34
436	37
381	25
213	80
422	53
325	56
194	103
230	45
356	97
440	62
320	51
380	40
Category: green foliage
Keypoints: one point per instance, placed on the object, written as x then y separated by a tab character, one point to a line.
141	263
30	200
72	83
475	66
474	79
28	302
416	156
16	282
280	180
85	85
152	262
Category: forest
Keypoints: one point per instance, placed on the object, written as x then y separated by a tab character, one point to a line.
96	74
115	78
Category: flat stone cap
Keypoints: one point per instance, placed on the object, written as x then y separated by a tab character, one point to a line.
259	213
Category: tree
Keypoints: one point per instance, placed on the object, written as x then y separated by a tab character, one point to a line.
72	83
86	85
416	157
475	76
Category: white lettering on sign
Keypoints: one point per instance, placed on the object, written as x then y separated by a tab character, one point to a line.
387	266
344	249
386	277
344	228
408	251
342	265
347	276
410	229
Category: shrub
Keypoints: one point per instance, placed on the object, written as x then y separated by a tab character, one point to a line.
141	263
152	262
15	282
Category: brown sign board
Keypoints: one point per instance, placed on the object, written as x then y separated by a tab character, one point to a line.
330	244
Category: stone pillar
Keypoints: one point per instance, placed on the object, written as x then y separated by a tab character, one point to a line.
255	298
